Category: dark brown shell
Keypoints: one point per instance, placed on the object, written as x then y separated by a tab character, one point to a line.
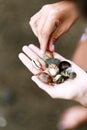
64	65
49	54
44	77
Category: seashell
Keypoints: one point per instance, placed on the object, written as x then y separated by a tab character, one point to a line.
53	69
72	75
36	64
44	77
58	79
49	54
53	61
64	65
55	79
64	73
45	58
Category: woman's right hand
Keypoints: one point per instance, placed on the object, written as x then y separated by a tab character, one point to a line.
52	21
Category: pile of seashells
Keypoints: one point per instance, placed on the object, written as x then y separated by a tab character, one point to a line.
57	71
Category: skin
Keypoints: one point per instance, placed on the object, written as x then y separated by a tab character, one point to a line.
76	115
52	21
48	25
73	117
76	89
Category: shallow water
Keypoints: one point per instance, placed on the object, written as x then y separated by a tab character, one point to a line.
23	105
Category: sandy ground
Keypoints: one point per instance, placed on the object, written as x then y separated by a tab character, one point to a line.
23	105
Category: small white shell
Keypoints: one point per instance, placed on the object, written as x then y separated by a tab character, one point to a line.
55	79
36	64
53	69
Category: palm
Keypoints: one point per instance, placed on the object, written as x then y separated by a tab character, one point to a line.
70	89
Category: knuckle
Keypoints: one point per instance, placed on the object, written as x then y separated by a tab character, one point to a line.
43	33
54	39
45	6
52	12
53	96
30	22
70	95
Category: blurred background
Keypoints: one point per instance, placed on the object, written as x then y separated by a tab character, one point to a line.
23	106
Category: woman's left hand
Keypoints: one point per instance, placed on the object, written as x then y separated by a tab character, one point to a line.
72	89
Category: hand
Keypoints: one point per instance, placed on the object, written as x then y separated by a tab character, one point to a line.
52	21
75	89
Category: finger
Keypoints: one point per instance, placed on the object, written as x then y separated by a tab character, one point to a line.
33	56
73	117
27	62
61	29
34	22
33	25
45	29
36	50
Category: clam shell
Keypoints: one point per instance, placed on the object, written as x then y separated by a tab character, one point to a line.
53	69
36	64
44	77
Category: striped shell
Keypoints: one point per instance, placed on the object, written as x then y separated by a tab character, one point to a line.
36	64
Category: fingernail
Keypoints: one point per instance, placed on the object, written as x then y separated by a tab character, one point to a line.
62	125
83	38
52	47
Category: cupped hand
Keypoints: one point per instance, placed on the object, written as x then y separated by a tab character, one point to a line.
52	21
73	89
